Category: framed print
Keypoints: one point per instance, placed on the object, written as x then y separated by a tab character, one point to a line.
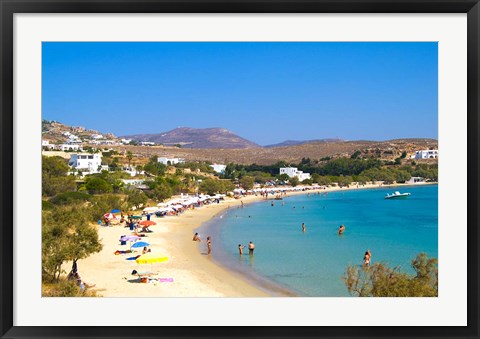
249	169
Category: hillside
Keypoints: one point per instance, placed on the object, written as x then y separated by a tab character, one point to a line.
196	138
219	145
385	150
301	142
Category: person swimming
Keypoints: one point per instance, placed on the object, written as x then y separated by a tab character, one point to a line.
304	228
341	229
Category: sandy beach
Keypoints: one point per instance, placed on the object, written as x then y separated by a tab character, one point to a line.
193	272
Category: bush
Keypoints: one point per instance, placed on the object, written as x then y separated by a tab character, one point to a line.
379	280
47	205
67	198
65	288
95	185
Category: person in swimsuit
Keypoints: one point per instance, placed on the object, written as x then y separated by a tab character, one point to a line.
196	237
366	258
209	245
240	249
251	248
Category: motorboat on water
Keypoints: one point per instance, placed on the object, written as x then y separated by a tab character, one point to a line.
397	194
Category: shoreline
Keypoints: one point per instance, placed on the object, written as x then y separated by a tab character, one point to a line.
194	273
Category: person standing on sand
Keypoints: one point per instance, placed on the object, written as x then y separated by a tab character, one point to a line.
304	228
251	248
209	246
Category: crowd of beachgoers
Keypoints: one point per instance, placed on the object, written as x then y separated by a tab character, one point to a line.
162	236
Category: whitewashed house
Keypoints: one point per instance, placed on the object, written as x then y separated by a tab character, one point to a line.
219	168
415	180
426	154
46	144
171	161
86	162
294	172
67	147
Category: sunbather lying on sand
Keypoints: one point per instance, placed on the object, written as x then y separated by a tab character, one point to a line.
146	273
117	252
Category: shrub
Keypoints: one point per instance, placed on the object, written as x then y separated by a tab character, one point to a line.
67	198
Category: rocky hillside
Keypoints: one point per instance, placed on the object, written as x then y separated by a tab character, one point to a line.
301	142
196	138
385	150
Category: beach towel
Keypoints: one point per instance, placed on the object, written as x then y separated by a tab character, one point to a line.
152	280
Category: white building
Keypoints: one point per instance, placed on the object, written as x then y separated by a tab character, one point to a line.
126	141
171	161
294	172
219	168
67	147
426	154
46	144
415	180
86	162
133	182
147	143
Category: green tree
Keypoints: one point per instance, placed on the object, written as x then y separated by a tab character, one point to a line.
155	168
161	191
294	181
96	185
54	177
66	236
136	198
379	280
100	204
129	157
283	177
247	182
210	186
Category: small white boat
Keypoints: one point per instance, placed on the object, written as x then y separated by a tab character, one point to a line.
397	194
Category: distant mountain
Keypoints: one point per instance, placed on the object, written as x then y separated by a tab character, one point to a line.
301	142
196	138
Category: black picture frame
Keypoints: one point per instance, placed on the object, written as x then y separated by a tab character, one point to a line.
10	7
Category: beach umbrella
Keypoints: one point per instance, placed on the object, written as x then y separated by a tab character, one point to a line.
109	216
147	223
151	258
115	211
140	244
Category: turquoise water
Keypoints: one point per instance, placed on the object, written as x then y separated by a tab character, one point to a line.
312	263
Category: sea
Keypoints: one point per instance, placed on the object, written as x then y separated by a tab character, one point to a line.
312	263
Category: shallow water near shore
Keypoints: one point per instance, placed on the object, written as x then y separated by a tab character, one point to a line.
312	263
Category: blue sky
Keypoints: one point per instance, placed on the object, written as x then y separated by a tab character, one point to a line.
265	92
